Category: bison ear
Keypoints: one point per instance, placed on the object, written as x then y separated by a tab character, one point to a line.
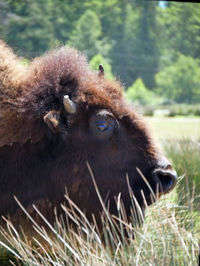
52	119
101	71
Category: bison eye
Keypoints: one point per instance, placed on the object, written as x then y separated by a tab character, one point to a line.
102	125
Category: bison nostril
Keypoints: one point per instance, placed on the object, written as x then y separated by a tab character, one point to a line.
166	178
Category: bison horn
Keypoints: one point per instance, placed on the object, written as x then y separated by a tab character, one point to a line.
69	105
101	71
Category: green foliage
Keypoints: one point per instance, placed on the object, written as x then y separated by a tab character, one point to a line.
135	52
87	35
99	59
171	110
180	26
5	17
138	38
25	61
146	45
180	81
184	109
33	22
139	94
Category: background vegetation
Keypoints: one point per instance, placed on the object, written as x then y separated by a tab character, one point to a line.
154	49
139	40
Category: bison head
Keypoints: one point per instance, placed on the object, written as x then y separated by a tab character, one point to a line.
116	144
72	115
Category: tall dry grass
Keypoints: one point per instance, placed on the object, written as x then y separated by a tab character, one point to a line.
169	235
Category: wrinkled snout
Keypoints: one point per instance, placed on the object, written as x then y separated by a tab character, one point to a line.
165	175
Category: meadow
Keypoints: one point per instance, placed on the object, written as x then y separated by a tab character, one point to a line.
175	128
170	234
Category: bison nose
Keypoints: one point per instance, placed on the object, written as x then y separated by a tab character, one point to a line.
166	177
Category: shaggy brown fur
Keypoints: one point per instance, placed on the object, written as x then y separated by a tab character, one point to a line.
44	150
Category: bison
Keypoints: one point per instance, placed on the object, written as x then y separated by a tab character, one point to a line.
56	114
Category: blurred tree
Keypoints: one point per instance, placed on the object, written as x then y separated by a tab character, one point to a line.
135	53
30	29
139	38
119	52
180	81
109	14
146	45
5	17
179	31
139	94
64	16
87	35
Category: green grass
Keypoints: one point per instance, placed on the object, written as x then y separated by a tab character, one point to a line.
165	128
180	139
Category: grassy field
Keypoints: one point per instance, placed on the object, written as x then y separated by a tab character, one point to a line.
170	234
175	128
